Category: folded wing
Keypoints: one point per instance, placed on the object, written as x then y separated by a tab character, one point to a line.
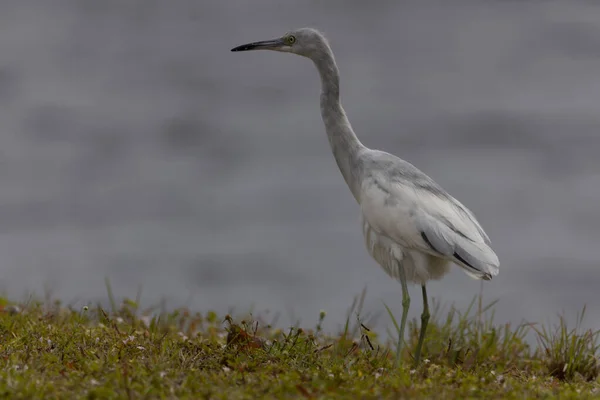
418	214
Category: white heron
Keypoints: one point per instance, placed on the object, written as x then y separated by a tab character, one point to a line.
412	227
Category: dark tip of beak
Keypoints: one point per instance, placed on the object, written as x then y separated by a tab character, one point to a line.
265	44
244	47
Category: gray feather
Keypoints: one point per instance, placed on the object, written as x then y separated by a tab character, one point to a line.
476	257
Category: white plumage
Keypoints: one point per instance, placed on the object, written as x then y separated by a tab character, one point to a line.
416	224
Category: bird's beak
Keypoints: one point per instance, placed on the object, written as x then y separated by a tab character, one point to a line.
274	44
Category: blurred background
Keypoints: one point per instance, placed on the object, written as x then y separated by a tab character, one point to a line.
135	146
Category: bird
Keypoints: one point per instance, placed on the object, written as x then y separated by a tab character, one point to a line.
413	228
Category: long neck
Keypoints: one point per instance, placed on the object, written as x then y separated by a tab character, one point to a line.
344	143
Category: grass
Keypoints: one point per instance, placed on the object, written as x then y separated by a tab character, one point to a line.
51	351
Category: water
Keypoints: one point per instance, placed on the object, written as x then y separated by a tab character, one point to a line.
135	146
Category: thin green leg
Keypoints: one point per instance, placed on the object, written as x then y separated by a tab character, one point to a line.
424	321
405	306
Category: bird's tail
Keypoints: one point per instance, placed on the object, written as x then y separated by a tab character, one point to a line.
478	260
476	257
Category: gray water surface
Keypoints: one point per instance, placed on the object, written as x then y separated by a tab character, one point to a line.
135	146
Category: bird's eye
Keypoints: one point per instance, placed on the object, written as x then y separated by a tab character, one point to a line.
291	39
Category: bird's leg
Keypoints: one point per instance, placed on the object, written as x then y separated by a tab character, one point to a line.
424	321
405	306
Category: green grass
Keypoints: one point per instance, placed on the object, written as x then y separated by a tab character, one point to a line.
50	351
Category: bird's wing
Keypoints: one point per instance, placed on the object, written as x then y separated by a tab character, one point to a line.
408	207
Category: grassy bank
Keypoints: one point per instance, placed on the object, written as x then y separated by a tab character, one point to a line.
50	351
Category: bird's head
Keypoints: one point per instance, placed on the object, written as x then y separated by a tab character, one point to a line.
307	42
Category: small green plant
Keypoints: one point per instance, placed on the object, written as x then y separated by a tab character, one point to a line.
470	338
570	353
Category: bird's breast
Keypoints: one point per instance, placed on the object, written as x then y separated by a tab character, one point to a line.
389	215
